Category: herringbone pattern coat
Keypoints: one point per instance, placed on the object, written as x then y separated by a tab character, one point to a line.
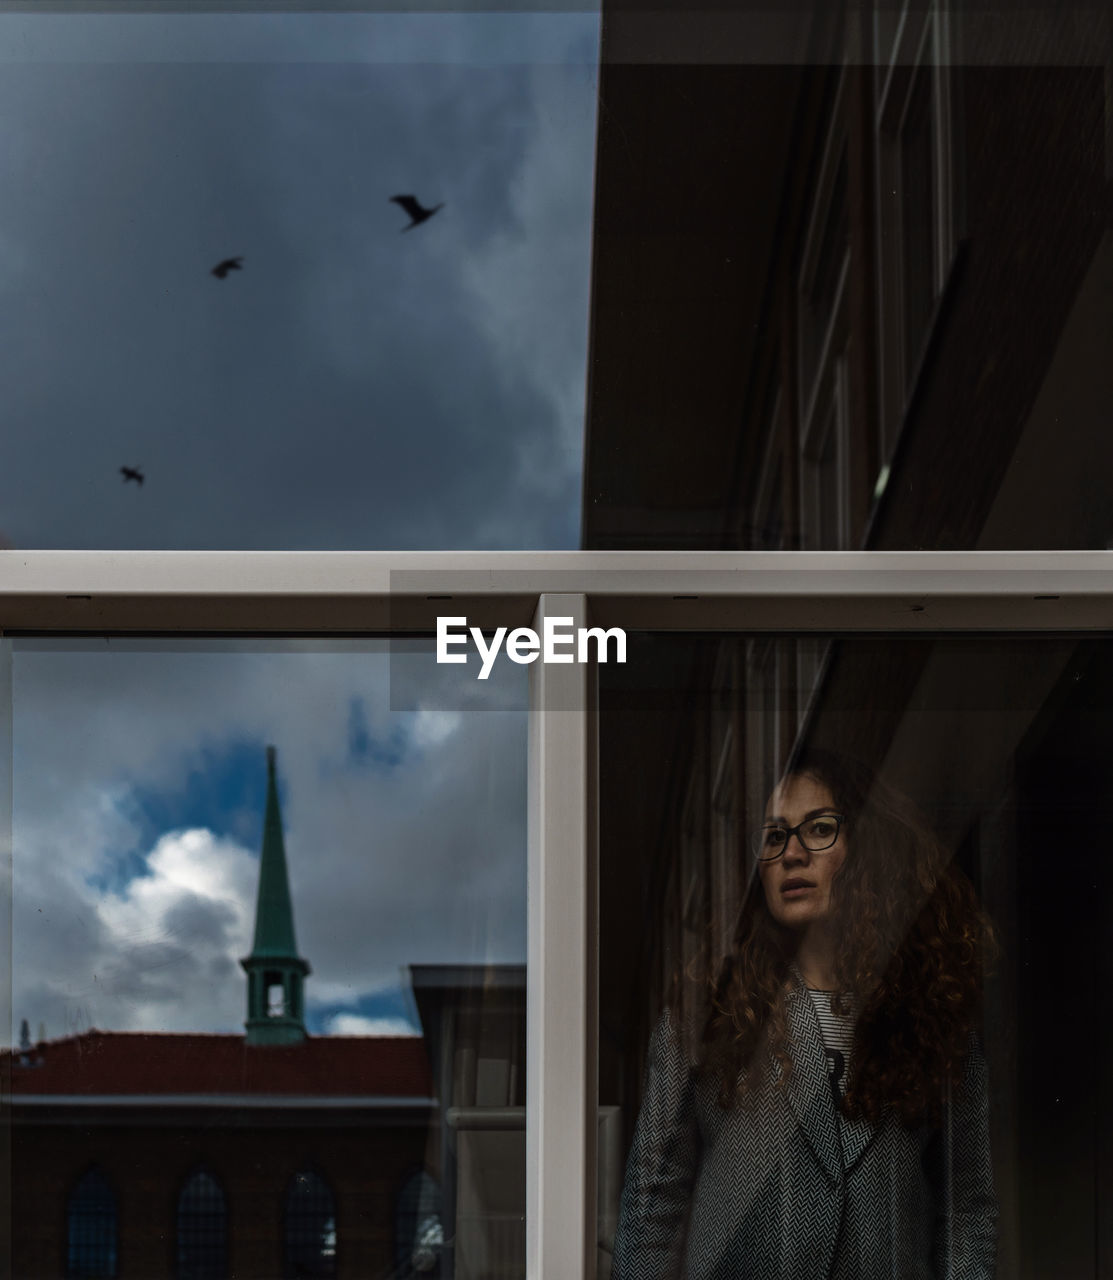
786	1188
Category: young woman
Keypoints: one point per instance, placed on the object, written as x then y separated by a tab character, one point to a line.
824	1112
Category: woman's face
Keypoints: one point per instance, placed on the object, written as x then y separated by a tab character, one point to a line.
798	883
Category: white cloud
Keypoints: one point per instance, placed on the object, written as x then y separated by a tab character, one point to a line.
354	1024
431	728
161	956
193	875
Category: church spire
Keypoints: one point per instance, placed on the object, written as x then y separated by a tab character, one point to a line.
275	971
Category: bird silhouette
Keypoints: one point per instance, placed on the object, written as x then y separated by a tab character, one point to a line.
416	210
229	264
132	473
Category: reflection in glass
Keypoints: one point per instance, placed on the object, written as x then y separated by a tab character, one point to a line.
91	1227
202	1236
229	342
961	767
272	933
419	1228
310	1227
918	221
907	226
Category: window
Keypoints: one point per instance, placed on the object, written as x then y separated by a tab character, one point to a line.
309	1227
418	1227
286	409
724	800
994	740
825	465
202	1232
368	871
917	223
823	345
825	261
917	177
770	528
758	206
789	596
91	1227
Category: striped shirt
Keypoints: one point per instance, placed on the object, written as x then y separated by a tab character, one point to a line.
837	1032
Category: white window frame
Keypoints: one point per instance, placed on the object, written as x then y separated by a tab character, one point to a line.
349	593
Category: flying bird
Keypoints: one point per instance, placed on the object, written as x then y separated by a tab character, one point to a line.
132	473
229	264
415	209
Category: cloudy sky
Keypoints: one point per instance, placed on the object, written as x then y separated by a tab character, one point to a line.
139	784
351	387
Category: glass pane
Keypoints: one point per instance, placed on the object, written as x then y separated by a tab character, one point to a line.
91	1214
958	168
268	965
202	1229
854	923
225	340
309	1227
917	152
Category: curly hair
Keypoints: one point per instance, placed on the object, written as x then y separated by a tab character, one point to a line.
913	945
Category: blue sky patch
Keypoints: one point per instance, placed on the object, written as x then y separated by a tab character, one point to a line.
224	790
391	1002
367	750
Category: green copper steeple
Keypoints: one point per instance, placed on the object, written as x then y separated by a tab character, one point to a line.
275	971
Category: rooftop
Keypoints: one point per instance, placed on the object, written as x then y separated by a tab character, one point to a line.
149	1064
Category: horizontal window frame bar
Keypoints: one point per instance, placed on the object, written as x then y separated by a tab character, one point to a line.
362	593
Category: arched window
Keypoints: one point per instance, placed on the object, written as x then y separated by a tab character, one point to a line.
418	1229
202	1234
309	1227
91	1227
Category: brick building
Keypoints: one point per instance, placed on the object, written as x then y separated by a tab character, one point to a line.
272	1153
279	1153
138	1154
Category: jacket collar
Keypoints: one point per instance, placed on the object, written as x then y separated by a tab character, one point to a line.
838	1143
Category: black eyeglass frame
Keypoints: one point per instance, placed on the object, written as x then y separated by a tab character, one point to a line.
757	840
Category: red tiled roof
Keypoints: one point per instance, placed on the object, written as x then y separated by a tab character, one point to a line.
138	1062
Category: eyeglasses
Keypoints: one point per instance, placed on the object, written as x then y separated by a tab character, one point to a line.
815	834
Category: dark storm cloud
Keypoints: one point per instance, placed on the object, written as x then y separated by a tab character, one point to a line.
351	387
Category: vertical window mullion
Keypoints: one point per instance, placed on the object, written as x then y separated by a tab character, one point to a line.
561	1072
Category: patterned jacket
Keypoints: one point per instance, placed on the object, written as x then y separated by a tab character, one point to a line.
786	1188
